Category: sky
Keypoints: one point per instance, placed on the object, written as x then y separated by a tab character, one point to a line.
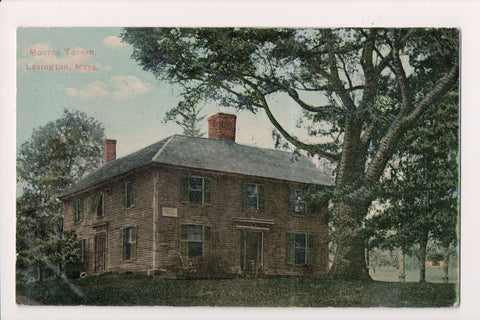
114	89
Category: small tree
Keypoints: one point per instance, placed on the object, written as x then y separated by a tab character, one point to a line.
56	155
187	116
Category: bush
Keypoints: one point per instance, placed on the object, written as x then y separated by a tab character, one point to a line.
212	266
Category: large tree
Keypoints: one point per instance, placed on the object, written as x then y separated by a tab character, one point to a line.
359	90
56	155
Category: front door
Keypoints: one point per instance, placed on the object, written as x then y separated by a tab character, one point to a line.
251	251
100	252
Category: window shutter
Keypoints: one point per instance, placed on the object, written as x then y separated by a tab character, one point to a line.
208	233
124	195
244	195
184	231
87	249
123	233
80	216
183	240
134	243
207	189
207	237
185	189
94	204
290	247
310	252
132	194
291	200
261	196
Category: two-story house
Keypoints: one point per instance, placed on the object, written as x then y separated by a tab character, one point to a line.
183	199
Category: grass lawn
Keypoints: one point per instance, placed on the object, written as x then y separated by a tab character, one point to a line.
141	290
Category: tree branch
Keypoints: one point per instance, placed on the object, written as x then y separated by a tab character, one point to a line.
294	95
387	144
312	148
401	77
368	71
334	77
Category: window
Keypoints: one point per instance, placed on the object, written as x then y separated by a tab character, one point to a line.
129	197
195	240
78	209
297	202
300	248
196	190
83	251
100	204
253	196
129	243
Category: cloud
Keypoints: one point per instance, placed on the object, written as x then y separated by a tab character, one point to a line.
126	86
117	88
114	42
93	91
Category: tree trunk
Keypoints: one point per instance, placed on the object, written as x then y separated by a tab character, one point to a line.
401	273
423	256
349	262
446	259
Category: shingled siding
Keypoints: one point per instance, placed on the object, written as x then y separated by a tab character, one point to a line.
114	220
223	214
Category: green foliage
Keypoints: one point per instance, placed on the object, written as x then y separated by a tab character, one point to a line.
420	191
56	155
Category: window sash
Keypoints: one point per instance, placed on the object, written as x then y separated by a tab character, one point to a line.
252	196
100	205
300	245
78	209
195	190
129	194
194	240
129	243
300	205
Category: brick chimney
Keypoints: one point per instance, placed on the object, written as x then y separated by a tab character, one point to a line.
109	150
222	126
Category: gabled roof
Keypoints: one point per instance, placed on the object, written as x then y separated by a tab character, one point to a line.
211	154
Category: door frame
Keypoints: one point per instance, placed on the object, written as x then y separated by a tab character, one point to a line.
103	235
260	256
